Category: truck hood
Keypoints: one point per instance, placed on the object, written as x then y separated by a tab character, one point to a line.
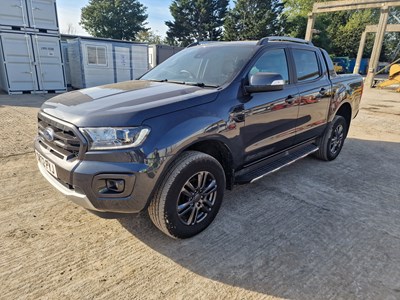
126	103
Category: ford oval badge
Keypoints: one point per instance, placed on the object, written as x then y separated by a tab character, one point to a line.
48	134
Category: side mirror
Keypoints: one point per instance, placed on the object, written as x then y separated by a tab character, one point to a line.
265	82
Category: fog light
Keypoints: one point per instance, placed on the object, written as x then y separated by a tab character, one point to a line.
108	186
115	185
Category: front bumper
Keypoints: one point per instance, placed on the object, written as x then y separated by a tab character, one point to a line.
79	180
75	197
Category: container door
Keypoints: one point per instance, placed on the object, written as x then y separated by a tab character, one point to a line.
50	68
13	13
19	62
43	14
67	70
139	60
122	64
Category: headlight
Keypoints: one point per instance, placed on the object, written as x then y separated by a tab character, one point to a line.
103	138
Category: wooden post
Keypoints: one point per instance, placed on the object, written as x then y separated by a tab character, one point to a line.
376	51
360	52
310	26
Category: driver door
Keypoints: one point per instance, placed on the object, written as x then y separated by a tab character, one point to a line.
270	117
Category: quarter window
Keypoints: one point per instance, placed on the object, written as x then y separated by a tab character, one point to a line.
97	55
306	64
272	61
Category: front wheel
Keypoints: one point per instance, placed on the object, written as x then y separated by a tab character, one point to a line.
331	143
190	196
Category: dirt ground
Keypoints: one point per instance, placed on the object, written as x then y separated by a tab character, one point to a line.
314	230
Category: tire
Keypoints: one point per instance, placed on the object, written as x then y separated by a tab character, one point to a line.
189	197
331	143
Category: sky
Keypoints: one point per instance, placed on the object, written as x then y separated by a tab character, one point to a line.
69	12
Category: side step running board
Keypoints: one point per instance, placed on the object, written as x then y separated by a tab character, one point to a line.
276	165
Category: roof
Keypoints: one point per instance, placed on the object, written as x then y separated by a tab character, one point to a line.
73	37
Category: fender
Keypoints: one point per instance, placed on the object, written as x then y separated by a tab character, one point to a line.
345	91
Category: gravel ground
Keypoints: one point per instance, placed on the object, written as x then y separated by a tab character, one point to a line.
314	230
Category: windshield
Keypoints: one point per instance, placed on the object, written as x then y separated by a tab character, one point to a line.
203	66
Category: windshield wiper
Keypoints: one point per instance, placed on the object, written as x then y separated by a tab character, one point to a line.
158	80
201	84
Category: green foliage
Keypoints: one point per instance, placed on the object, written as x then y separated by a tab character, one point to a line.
299	8
296	26
345	33
117	19
392	40
196	20
337	32
254	19
149	36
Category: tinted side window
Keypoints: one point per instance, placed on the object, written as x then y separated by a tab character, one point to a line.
272	61
306	64
329	63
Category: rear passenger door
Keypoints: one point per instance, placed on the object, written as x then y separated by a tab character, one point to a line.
315	92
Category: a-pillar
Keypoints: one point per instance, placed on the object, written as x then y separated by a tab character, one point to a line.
376	51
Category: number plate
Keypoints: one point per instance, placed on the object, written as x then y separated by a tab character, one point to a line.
48	165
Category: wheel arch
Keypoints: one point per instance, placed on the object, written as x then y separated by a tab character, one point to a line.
345	111
221	152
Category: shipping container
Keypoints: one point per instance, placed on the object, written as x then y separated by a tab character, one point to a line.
31	63
43	14
14	13
29	15
159	53
363	69
95	61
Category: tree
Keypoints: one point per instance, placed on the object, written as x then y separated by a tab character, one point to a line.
70	29
295	8
346	34
149	36
196	20
338	32
254	19
117	19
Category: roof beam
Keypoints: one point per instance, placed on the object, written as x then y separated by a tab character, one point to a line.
389	28
332	6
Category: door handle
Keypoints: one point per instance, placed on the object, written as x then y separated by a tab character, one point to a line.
289	99
238	114
322	91
239	118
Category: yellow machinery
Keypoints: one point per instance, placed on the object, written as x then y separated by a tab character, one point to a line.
394	77
338	68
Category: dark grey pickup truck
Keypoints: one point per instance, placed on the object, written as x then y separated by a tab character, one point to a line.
212	116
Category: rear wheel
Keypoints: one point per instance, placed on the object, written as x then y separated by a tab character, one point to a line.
190	196
331	143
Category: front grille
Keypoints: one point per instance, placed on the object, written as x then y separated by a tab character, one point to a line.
65	143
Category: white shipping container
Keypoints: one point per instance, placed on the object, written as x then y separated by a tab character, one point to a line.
31	63
42	14
14	13
39	15
94	61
